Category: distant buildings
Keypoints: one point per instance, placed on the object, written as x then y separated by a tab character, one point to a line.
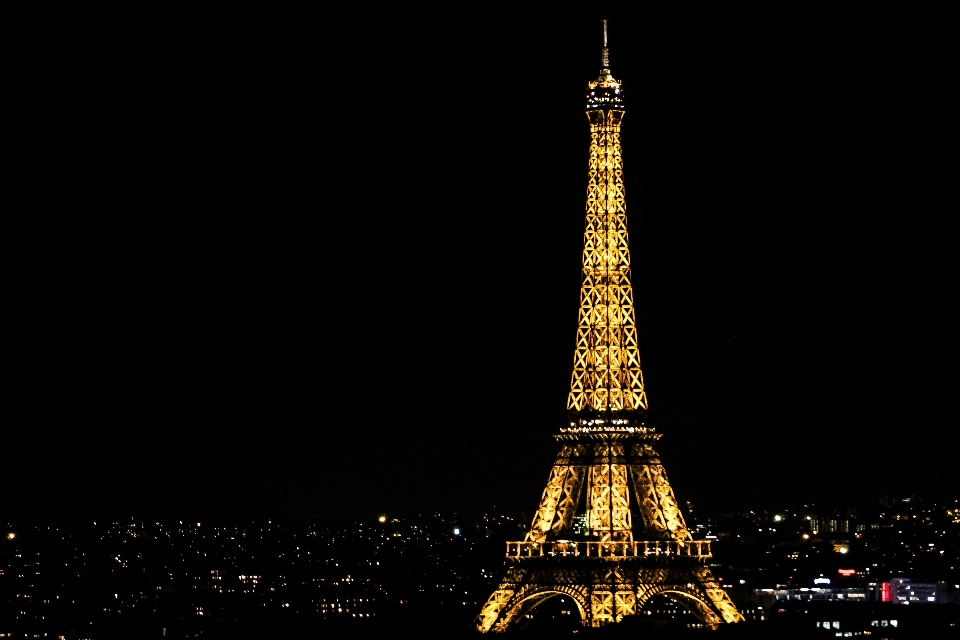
896	591
816	594
905	591
897	569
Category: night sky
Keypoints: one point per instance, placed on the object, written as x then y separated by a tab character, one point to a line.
303	264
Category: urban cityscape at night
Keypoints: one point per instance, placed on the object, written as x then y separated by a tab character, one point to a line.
855	568
633	324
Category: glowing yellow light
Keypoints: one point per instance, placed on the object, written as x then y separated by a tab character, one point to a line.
605	460
382	519
11	535
806	536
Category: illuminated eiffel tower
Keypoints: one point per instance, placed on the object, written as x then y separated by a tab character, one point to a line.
609	533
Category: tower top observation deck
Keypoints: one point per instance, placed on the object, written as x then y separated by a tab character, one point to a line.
605	92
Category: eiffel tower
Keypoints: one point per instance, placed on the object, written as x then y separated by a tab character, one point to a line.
609	533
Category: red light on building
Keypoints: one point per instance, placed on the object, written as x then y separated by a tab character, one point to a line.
846	573
884	592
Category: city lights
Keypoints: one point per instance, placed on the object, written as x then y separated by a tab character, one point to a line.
382	519
344	567
11	535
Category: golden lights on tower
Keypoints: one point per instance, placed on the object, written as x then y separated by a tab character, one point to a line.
606	365
609	532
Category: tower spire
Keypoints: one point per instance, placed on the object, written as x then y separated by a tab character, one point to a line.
605	60
605	80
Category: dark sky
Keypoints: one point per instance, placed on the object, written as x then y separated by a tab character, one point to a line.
297	263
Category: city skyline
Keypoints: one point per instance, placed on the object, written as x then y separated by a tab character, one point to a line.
259	309
784	567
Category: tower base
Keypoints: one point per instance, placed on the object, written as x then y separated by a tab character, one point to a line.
605	590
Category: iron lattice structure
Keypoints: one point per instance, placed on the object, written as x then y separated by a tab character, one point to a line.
606	365
608	533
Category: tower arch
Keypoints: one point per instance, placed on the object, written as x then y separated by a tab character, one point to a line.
530	597
689	597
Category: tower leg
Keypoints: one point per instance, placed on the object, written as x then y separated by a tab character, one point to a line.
493	609
601	607
718	597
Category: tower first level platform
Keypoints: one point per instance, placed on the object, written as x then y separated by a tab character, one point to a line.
608	534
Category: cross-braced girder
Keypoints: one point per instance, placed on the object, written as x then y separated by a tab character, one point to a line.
600	469
620	561
606	365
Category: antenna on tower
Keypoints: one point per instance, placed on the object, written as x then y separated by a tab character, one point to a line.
606	52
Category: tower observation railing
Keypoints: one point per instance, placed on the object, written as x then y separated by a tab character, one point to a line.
634	549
